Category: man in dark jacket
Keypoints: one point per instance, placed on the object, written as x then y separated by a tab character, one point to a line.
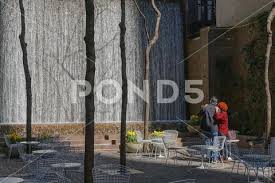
208	124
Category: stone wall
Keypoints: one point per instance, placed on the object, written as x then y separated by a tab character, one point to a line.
72	129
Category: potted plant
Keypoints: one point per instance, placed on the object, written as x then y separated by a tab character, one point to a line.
157	134
14	137
45	137
193	126
132	144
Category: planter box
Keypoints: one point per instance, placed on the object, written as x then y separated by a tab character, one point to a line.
132	148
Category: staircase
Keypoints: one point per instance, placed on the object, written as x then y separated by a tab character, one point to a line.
102	142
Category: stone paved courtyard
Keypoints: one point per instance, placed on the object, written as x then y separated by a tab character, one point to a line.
150	170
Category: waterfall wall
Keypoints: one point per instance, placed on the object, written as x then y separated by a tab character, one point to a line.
56	53
165	56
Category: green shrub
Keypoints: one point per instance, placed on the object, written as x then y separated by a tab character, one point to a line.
194	120
15	137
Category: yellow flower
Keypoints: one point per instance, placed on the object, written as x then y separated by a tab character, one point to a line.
157	133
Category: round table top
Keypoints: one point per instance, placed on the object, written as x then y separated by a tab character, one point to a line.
66	165
11	180
30	142
177	148
233	141
201	146
146	141
257	156
46	151
157	140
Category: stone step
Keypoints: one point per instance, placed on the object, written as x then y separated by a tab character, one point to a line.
82	137
80	147
102	142
97	141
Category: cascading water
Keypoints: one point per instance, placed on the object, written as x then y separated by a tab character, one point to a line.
56	54
165	56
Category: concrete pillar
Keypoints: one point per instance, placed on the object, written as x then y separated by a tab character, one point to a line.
198	66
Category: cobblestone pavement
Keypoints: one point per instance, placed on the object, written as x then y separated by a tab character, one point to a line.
150	170
155	171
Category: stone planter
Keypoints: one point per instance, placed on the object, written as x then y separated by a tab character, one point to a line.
193	129
132	147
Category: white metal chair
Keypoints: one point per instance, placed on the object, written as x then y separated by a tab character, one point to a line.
170	145
10	146
194	154
158	144
218	146
141	141
238	159
25	157
171	132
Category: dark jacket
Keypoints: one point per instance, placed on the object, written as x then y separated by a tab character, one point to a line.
208	122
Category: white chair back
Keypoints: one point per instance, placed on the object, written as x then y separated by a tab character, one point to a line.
171	132
169	140
218	142
139	136
7	140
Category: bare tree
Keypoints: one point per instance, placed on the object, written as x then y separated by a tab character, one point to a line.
27	74
267	61
89	99
151	43
124	86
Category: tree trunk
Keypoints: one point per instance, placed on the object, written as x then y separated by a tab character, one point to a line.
27	75
89	99
267	60
124	86
150	45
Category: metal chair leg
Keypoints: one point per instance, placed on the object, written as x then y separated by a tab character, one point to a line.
238	167
10	152
233	166
175	160
222	161
167	156
248	175
137	153
245	170
156	149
